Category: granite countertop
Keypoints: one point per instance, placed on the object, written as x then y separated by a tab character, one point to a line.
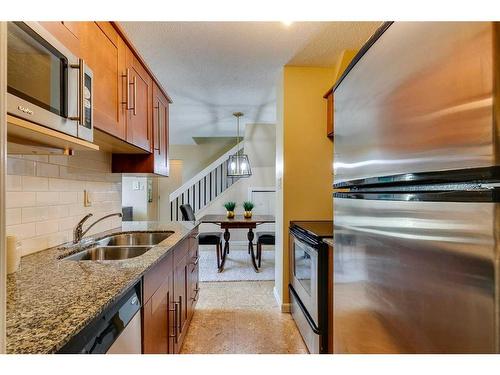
328	241
49	300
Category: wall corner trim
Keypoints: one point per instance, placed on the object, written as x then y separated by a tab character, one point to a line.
284	307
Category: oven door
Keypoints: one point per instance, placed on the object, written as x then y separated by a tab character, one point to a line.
304	261
46	83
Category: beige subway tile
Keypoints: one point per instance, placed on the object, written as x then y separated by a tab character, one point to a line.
58	212
68	223
20	167
69	197
47	198
35	183
71	173
98	186
58	159
33	214
42	158
13	183
59	238
76	209
21	231
47	170
13	216
99	196
59	184
16	199
33	245
46	227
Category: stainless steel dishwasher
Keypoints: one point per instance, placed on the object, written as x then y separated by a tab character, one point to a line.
117	330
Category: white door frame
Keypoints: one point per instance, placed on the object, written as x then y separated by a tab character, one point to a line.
3	159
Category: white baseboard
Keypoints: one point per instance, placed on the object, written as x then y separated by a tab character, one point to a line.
285	307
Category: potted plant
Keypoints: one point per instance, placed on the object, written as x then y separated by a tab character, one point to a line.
230	206
248	206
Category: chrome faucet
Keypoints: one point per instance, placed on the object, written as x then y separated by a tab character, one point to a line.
78	232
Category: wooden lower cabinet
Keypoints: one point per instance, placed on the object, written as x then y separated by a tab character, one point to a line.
156	330
170	298
180	299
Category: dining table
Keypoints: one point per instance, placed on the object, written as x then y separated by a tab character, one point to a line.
237	222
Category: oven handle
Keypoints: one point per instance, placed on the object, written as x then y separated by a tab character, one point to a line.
310	320
81	89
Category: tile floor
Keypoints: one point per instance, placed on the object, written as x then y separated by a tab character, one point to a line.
241	317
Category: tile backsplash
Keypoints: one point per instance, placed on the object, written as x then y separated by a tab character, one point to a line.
45	196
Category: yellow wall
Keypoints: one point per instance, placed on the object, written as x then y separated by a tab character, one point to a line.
304	158
345	59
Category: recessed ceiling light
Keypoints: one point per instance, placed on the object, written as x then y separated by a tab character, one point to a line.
287	23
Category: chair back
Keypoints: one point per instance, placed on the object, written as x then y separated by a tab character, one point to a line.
187	212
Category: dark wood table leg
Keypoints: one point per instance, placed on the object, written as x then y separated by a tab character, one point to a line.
250	249
227	235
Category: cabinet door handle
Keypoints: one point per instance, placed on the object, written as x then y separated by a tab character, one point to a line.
197	292
81	89
159	129
127	86
135	95
180	313
196	260
174	336
158	117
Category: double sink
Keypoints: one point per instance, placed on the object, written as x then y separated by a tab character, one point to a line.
121	246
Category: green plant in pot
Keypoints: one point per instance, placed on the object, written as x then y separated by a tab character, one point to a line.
248	206
230	206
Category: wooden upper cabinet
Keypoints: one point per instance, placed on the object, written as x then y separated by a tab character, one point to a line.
139	101
160	131
68	33
127	102
329	113
157	161
105	53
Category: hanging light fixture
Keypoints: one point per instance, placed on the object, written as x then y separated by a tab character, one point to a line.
238	164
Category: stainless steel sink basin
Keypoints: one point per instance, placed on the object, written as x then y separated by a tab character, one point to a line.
109	253
135	239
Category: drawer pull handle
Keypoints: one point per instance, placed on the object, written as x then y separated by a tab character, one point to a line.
196	260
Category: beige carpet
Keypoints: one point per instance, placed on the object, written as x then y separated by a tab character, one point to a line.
238	266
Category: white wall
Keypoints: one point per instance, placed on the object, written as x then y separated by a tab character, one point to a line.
167	185
3	140
198	156
260	146
278	254
135	194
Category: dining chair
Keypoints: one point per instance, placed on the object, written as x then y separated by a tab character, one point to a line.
263	238
204	238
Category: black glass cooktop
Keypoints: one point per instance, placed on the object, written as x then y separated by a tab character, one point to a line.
320	229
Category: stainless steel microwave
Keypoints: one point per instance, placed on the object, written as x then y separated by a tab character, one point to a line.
46	83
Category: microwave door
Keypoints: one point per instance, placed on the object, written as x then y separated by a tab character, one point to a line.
85	127
415	276
41	85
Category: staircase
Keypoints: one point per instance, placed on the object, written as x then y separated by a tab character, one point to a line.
202	189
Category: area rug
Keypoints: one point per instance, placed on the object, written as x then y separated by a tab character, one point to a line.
238	266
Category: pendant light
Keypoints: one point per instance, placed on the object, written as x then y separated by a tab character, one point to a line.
238	164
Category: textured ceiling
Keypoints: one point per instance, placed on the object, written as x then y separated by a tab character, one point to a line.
212	69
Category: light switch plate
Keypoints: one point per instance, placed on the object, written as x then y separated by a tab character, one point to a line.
87	202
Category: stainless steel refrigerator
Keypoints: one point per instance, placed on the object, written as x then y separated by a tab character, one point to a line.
416	224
